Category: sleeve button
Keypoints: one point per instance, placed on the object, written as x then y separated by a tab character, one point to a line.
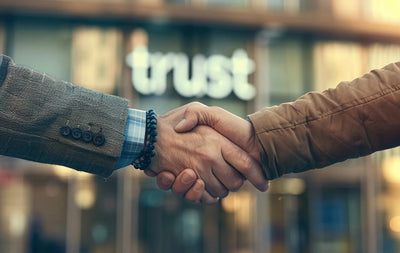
76	133
65	131
98	139
87	136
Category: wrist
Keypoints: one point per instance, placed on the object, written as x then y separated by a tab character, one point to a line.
143	161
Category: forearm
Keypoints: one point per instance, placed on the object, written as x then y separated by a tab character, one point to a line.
319	129
33	108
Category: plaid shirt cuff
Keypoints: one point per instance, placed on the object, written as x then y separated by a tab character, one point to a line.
134	137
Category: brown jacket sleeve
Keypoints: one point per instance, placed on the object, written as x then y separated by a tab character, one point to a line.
38	112
355	119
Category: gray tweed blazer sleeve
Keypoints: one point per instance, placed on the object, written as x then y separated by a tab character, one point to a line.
50	121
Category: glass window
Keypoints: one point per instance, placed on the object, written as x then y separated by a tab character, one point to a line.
284	68
42	45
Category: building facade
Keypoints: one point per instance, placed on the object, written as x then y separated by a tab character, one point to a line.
217	53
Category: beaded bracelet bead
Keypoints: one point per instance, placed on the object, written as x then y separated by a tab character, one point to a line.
144	159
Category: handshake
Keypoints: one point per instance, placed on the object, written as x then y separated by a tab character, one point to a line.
201	152
204	152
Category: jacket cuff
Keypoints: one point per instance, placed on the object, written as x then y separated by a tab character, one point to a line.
270	172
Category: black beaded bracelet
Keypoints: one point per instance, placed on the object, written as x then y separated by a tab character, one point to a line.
144	159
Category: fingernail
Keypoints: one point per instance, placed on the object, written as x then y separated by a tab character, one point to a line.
186	178
180	123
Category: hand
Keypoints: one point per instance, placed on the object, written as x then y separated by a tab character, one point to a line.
236	129
196	113
210	155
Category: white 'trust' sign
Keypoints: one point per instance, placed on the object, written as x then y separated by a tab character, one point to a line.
216	76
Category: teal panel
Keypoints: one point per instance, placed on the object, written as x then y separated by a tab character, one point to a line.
42	45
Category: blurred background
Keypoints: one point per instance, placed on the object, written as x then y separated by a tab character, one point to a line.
241	55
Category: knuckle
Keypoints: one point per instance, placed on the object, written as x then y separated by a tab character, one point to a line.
194	105
246	163
205	156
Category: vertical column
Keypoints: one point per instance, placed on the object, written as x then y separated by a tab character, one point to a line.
291	206
128	180
369	197
127	214
262	226
261	58
211	228
73	218
96	61
2	37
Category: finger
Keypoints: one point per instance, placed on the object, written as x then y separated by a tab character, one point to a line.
150	173
188	122
195	193
165	179
213	186
239	134
184	181
191	117
246	165
208	199
228	176
217	118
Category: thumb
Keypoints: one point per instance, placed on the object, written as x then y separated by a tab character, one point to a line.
189	121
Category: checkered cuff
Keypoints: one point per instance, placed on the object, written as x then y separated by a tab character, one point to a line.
134	137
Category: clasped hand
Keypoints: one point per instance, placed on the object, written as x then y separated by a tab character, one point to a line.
204	152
